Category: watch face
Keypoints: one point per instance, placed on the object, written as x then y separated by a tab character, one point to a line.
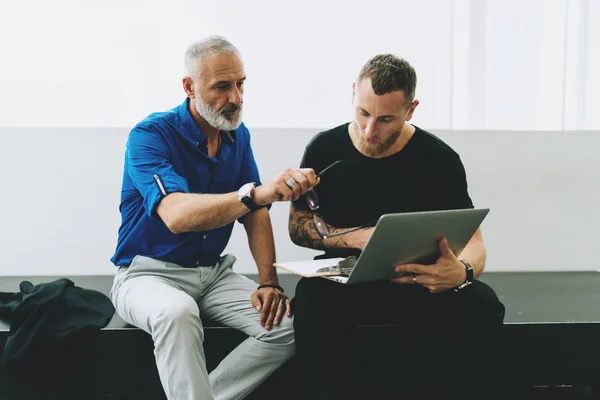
246	190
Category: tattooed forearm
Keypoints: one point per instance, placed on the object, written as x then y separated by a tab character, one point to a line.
341	242
303	232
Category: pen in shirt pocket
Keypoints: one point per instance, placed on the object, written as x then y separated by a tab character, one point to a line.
160	185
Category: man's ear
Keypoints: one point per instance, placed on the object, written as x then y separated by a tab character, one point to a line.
411	109
353	90
188	86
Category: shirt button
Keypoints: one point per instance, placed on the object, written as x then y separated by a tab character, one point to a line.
204	237
197	262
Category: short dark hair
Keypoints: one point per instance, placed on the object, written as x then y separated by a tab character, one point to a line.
389	73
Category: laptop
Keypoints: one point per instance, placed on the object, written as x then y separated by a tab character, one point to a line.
397	239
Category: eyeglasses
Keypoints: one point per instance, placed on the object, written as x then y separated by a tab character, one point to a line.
325	233
311	196
313	203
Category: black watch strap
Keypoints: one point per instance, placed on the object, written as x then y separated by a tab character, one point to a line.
248	202
470	276
469	269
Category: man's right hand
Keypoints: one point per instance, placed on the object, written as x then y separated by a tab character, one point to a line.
289	185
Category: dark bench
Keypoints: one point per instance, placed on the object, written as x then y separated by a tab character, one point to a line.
552	326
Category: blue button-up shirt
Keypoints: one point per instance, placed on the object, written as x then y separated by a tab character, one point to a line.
171	147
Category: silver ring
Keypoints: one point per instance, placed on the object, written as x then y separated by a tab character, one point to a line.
282	301
415	279
291	183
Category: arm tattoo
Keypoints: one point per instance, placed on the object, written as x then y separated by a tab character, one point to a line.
343	242
303	232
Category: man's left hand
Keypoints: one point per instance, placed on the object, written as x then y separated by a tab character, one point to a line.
447	272
272	304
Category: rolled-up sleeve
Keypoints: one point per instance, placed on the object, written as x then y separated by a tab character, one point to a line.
147	159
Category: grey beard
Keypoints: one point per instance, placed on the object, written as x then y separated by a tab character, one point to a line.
217	119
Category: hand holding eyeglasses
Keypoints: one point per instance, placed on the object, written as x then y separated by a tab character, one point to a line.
289	185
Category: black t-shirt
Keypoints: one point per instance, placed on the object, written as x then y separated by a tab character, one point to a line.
425	175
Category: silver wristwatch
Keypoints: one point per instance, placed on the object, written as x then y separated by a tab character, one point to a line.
245	196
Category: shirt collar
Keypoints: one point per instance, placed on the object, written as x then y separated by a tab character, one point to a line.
192	129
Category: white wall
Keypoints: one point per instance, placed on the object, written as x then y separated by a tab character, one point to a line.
60	194
509	83
482	64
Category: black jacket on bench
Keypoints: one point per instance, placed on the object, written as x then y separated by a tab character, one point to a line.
53	326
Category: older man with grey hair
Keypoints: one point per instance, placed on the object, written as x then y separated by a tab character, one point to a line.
189	175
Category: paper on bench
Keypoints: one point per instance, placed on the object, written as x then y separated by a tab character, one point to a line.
308	269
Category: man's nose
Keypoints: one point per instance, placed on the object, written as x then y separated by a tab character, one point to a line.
235	96
371	128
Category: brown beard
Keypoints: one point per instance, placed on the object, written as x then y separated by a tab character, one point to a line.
381	148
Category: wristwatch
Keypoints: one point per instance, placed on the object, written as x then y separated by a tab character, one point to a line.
245	196
469	279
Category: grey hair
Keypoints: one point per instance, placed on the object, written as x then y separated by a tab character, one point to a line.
206	47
